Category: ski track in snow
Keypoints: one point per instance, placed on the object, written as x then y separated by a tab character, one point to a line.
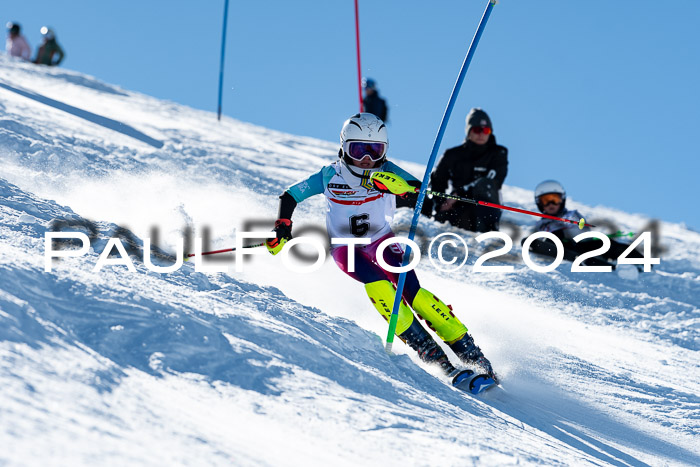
267	367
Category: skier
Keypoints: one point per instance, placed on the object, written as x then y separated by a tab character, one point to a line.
475	169
359	207
550	198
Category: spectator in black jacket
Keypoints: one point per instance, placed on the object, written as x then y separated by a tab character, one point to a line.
475	170
372	103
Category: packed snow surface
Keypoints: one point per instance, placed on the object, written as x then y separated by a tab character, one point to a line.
272	367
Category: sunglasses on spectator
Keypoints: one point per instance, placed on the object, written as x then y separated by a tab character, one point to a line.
482	129
357	150
550	198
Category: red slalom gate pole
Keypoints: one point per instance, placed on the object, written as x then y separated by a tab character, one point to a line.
357	44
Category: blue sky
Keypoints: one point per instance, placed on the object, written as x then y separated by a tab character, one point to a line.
602	96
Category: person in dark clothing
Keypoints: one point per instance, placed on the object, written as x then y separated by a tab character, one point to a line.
372	103
476	170
550	198
48	49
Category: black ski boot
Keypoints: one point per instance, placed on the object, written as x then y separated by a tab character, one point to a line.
467	351
428	350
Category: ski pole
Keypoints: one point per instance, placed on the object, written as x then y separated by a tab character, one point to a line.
225	250
581	223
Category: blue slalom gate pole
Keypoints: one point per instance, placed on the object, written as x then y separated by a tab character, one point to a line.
221	66
431	162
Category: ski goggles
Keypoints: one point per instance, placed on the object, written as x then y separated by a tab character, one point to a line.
482	129
357	150
550	198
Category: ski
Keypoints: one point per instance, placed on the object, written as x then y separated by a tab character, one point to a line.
471	382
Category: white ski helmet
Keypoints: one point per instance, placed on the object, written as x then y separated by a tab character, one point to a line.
365	127
546	187
362	135
47	33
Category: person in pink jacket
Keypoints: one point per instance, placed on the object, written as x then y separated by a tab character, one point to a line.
17	45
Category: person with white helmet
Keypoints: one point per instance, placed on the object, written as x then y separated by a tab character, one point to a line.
49	52
360	190
16	44
475	169
550	197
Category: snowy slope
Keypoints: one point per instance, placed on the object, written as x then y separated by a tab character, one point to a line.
268	367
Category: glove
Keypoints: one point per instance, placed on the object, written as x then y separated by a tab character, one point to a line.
485	189
387	182
464	190
283	229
